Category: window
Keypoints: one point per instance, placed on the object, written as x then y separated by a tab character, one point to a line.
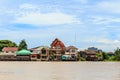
55	56
12	51
38	56
57	47
33	56
43	51
73	50
43	56
73	56
58	52
67	50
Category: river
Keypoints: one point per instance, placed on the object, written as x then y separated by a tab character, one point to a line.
59	70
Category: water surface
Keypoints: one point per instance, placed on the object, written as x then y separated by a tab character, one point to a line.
59	71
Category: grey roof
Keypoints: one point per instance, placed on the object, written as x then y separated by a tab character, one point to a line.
39	48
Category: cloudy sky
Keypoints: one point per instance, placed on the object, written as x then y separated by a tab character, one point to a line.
82	23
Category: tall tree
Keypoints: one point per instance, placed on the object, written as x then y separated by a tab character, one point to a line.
7	43
22	45
117	54
105	56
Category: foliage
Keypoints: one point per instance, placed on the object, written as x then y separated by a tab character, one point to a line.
7	43
117	54
82	59
22	45
100	56
51	58
105	56
112	58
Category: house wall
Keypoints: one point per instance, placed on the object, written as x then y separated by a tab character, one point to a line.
33	57
7	58
9	52
23	58
44	56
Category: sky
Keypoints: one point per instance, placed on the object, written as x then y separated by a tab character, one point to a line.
81	23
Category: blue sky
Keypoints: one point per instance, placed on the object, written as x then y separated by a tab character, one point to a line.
82	23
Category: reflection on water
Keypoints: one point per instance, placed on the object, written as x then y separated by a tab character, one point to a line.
59	71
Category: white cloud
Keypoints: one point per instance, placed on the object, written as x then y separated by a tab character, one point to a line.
46	18
28	6
103	43
109	6
107	41
104	20
82	1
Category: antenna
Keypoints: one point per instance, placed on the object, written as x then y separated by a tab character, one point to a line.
75	39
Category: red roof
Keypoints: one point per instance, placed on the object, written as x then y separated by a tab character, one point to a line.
9	49
57	42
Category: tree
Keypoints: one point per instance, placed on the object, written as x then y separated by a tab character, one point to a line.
105	56
100	56
22	45
117	54
7	43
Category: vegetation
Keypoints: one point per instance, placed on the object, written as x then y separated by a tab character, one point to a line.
52	57
105	56
100	56
22	45
82	59
114	57
7	43
117	54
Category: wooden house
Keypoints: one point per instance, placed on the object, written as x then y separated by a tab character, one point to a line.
89	55
42	52
71	52
57	50
8	54
33	56
7	57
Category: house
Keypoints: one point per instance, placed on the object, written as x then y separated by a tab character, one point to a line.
42	52
89	55
35	51
8	54
33	56
71	53
9	49
7	57
94	49
23	55
57	50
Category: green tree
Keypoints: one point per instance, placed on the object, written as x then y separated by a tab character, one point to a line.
105	56
7	43
100	56
22	45
117	54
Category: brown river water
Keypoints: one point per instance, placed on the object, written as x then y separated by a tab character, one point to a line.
59	70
